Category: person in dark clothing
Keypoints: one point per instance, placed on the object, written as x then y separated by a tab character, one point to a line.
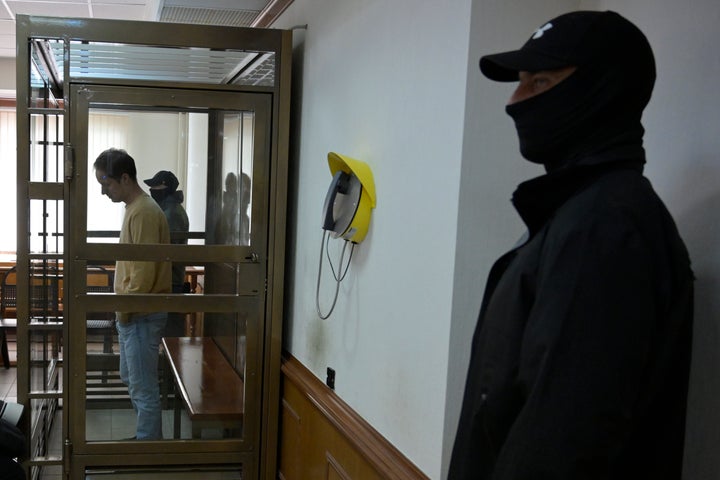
12	442
163	189
580	359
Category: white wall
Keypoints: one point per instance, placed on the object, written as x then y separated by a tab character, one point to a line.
383	82
396	84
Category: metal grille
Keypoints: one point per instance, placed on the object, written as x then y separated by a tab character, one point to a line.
208	16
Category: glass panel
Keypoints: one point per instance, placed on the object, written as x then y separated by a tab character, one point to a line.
212	370
46	148
196	338
237	162
46	420
46	226
210	278
46	294
46	383
217	208
38	87
165	472
43	75
46	354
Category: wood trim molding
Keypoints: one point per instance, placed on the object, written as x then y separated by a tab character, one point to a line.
367	441
270	13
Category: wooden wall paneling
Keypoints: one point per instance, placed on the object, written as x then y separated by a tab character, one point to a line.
290	442
335	471
322	437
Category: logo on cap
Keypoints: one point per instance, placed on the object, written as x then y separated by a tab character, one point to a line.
541	31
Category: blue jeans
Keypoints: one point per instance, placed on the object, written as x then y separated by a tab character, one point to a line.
139	342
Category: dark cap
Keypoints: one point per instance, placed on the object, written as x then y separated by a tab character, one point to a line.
576	39
163	177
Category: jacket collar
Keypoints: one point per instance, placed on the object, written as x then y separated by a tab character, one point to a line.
536	200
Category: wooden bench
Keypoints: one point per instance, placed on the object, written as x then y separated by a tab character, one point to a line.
206	384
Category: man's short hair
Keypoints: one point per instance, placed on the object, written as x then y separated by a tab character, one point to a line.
115	162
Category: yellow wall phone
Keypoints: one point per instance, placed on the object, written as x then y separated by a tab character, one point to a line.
346	214
350	198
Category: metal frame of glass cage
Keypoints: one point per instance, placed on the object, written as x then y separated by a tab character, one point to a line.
53	55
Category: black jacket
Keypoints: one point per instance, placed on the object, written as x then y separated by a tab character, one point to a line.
580	358
179	225
12	440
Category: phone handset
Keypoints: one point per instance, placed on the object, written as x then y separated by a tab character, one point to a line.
340	184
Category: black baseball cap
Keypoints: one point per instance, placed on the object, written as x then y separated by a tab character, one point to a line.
163	177
581	38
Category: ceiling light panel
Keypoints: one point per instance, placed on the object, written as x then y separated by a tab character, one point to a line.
208	16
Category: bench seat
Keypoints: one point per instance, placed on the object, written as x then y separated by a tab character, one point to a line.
208	387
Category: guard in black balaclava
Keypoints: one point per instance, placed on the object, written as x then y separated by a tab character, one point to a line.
598	107
580	358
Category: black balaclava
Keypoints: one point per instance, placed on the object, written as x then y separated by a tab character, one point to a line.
596	109
589	112
159	194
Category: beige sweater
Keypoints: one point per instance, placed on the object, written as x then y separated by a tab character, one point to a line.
144	222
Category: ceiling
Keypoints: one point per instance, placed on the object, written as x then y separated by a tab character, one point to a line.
239	13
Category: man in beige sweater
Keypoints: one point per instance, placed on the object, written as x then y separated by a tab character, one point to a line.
139	333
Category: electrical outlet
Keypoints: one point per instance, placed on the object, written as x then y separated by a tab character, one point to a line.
330	381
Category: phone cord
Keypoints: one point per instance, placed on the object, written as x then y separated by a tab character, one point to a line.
337	279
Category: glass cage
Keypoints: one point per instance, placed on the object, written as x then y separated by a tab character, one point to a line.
210	105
